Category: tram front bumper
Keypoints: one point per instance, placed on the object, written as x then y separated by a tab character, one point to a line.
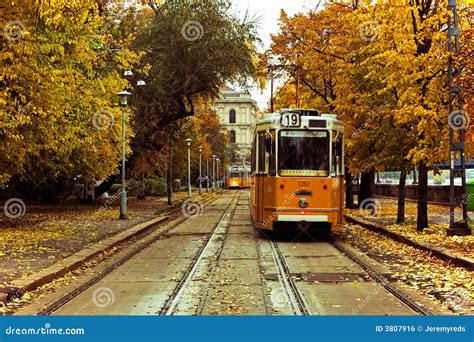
299	218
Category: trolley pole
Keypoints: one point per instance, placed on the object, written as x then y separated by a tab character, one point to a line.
456	140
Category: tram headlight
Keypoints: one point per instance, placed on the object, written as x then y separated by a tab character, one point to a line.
303	203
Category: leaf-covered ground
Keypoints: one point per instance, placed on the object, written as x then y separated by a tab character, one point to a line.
49	233
438	216
452	287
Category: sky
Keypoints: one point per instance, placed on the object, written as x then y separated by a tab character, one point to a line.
269	12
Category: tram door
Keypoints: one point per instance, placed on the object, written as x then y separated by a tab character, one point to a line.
260	186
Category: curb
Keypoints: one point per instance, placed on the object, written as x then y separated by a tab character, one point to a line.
437	252
20	286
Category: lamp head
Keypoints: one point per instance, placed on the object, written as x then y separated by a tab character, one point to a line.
124	95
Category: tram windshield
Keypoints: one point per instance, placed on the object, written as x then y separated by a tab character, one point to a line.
303	153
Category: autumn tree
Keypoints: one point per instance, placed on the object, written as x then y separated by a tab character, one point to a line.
59	117
382	68
191	48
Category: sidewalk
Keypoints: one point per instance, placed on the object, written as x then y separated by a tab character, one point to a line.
47	234
435	236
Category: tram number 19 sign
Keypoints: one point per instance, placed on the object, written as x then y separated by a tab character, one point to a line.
290	119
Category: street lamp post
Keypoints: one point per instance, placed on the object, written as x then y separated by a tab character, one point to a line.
200	169
207	176
188	142
213	171
124	95
217	171
123	195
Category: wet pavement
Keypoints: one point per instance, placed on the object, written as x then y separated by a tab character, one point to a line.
216	264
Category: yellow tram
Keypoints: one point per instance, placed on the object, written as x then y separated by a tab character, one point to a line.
238	177
297	172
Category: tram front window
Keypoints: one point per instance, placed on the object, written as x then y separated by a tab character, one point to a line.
303	153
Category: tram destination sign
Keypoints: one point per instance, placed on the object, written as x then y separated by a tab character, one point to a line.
290	119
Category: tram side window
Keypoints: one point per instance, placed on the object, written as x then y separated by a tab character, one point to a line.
261	152
252	170
337	147
272	152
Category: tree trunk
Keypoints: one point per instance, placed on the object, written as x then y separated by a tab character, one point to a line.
349	190
367	185
401	196
422	217
169	185
142	196
415	180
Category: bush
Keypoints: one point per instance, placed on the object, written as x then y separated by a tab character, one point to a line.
155	187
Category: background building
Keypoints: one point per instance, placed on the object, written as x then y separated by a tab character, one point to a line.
237	113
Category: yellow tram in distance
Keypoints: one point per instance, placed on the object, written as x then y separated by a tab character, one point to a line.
297	171
238	177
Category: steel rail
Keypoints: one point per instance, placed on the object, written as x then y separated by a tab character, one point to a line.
379	278
175	297
300	308
63	300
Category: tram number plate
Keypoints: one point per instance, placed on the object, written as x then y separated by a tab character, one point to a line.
290	120
303	184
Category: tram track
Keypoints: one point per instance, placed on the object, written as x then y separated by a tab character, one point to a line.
50	308
296	299
380	279
174	299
